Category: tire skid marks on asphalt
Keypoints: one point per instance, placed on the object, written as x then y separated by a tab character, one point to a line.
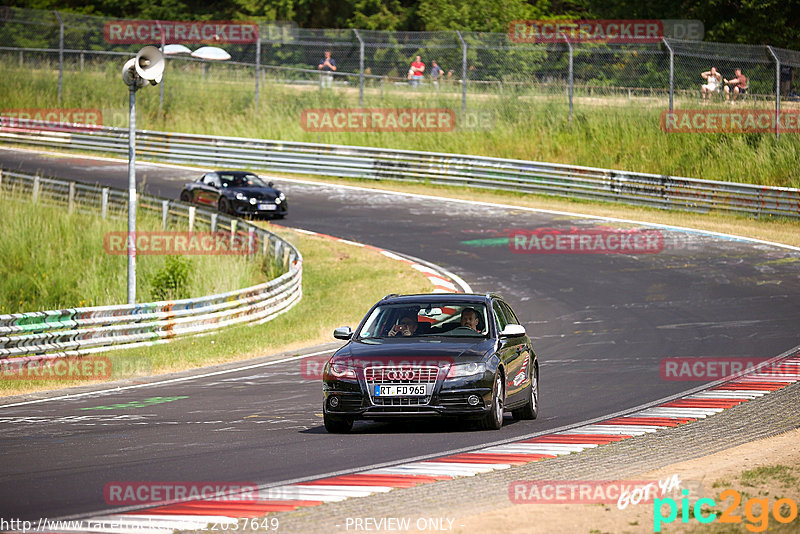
684	410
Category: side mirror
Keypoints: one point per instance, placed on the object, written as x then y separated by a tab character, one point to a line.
513	330
343	332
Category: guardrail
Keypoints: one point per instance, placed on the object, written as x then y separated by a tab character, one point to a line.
660	191
81	331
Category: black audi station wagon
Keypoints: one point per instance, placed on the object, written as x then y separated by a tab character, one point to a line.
435	355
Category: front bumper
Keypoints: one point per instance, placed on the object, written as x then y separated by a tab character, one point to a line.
443	403
245	208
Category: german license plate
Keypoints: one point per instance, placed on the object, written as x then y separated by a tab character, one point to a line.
401	390
267	207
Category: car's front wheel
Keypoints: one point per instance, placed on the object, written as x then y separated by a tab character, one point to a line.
337	425
185	197
494	419
530	410
224	205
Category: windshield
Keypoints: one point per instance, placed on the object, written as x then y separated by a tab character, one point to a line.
247	180
441	319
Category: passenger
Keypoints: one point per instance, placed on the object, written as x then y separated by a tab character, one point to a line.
470	318
406	326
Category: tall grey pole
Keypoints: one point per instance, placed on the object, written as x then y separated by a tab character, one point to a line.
463	70
163	44
360	68
258	64
570	76
60	53
671	72
132	196
777	91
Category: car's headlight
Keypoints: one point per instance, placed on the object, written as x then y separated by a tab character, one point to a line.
281	196
241	196
341	371
253	201
278	201
466	369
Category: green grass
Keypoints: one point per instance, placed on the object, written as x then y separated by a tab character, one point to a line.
53	260
606	131
780	473
340	283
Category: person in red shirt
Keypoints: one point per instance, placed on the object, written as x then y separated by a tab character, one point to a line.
736	85
416	71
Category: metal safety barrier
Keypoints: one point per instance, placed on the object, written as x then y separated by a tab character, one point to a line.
81	331
659	191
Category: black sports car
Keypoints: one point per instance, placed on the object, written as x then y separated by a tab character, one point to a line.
460	355
236	193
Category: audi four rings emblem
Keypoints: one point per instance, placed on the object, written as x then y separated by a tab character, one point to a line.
400	374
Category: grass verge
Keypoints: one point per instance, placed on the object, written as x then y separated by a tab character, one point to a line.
52	260
340	283
524	125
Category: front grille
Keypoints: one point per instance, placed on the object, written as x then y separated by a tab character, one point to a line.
400	374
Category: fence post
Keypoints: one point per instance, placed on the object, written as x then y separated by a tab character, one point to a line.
1	182
463	70
251	240
104	203
569	76
777	91
164	214
234	224
258	64
671	71
192	211
213	222
71	202
161	84
360	68
60	53
36	184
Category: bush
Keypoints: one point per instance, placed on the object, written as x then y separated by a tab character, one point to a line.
171	282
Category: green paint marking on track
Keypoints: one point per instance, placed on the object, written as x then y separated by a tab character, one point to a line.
138	404
490	242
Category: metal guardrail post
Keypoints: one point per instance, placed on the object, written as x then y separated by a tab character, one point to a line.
104	203
214	222
234	224
671	71
71	200
777	91
164	214
192	211
60	53
463	70
36	185
360	68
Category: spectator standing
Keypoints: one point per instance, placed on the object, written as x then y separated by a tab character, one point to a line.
327	65
436	73
416	71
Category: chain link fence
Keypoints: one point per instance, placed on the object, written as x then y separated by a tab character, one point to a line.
663	74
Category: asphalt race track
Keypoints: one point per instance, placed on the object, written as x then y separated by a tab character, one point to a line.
601	324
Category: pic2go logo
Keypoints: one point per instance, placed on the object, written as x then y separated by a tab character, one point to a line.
756	511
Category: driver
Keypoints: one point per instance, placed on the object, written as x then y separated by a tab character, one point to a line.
406	326
469	318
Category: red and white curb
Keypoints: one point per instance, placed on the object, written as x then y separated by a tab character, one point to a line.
195	515
443	281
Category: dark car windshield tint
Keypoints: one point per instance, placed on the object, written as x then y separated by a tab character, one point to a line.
247	180
440	319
